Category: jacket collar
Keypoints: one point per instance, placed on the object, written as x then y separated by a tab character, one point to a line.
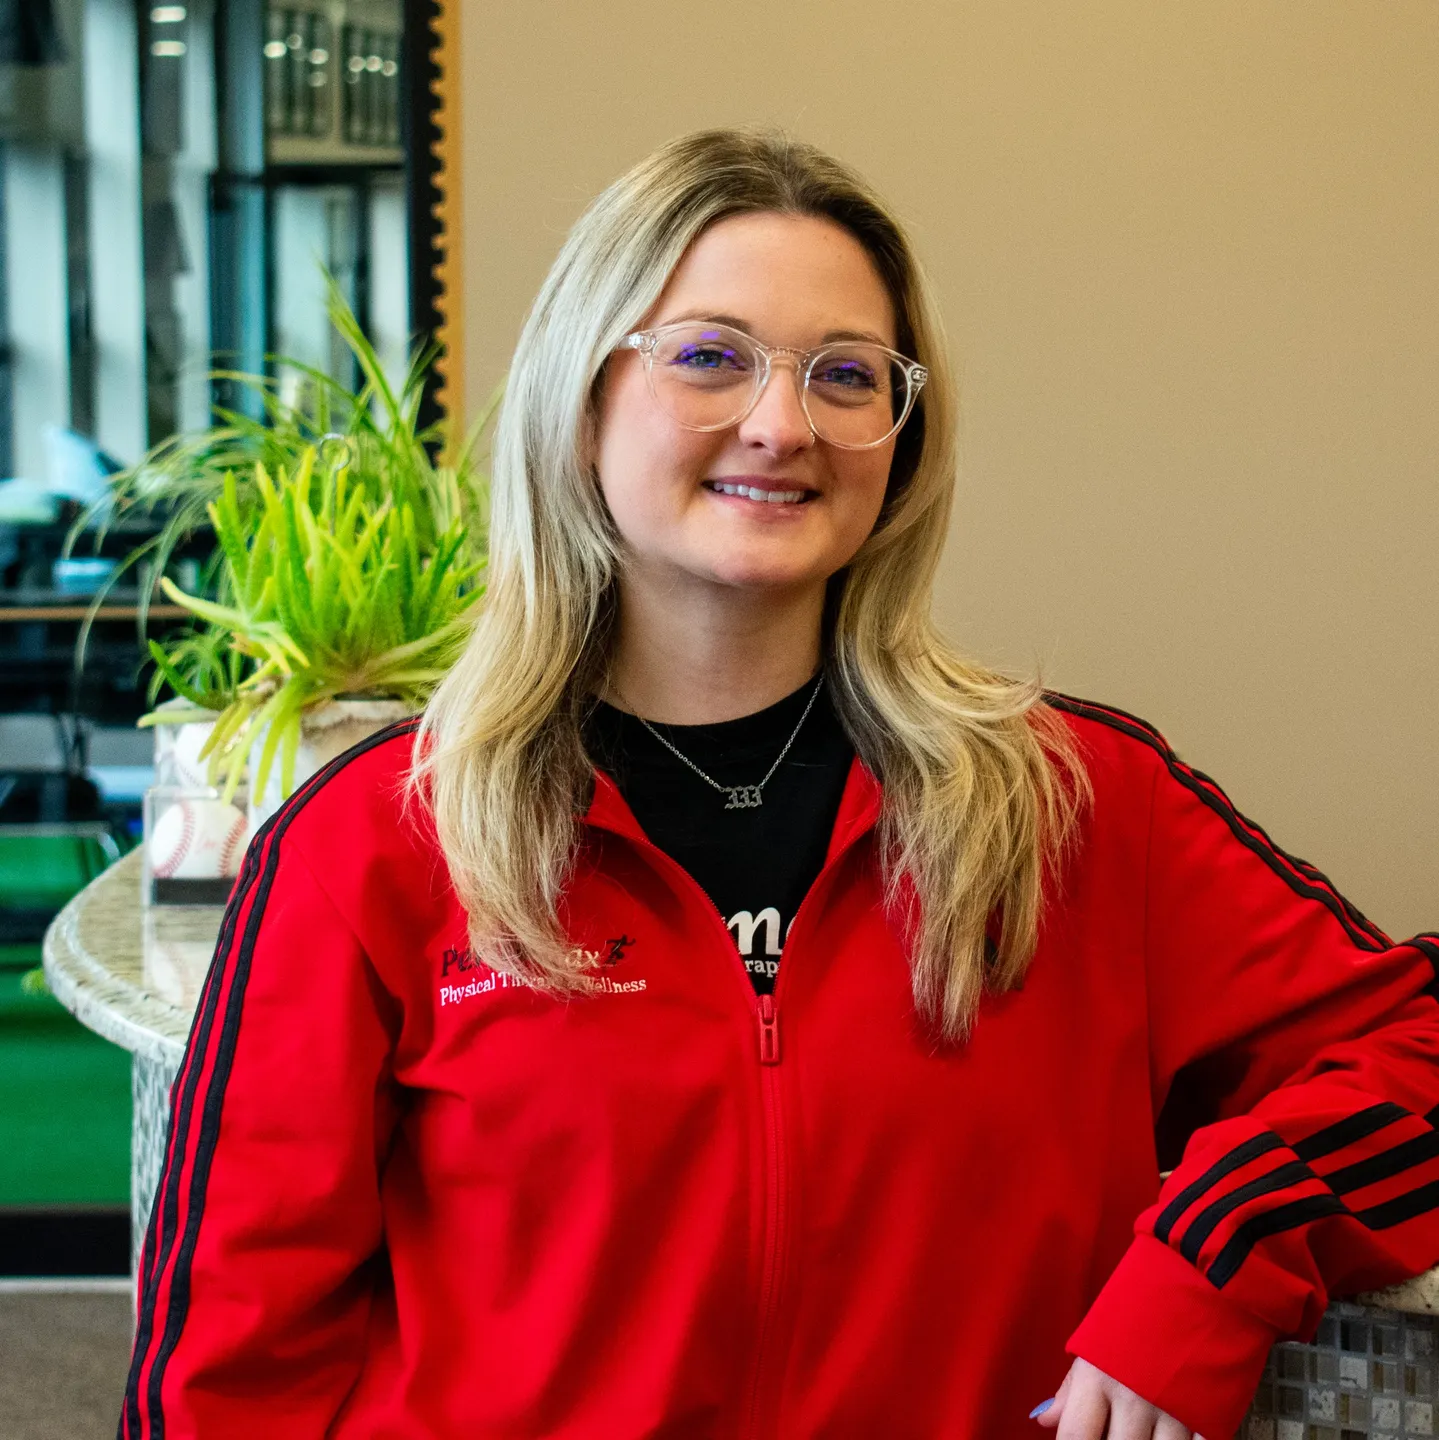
858	809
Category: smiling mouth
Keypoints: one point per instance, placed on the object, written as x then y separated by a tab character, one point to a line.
755	492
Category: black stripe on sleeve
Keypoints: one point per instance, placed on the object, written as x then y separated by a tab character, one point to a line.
1402	1208
164	1208
1301	877
1352	918
179	1305
1251	1149
266	842
1383	1167
1226	1264
1274	1222
1358	1126
1277	858
1323	1142
1208	1219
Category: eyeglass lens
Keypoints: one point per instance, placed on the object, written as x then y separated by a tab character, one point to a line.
706	377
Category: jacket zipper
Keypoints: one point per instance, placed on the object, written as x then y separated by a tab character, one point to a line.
768	1031
775	1209
776	1187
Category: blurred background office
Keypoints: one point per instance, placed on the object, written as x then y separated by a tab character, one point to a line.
174	181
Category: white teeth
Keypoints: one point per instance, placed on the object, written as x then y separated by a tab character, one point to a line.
753	492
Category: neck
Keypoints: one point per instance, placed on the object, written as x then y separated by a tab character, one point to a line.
688	659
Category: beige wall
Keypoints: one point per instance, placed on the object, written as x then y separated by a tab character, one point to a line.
1189	255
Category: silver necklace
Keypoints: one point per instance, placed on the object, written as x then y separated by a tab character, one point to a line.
740	797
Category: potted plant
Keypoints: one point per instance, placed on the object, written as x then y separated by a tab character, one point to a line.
391	454
339	614
350	544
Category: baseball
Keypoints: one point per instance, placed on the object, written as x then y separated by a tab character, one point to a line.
198	840
179	754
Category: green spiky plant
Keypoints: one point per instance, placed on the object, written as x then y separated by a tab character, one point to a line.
330	593
439	475
409	503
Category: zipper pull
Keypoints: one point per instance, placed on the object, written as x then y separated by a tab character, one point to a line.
768	1031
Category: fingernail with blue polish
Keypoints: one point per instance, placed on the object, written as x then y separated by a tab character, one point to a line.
1040	1409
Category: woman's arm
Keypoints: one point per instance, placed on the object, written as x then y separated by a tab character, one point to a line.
1312	1041
258	1267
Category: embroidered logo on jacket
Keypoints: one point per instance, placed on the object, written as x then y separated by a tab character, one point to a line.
615	949
485	981
460	961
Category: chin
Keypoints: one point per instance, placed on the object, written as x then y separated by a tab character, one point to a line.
750	573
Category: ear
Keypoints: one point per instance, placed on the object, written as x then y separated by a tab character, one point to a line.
589	447
593	418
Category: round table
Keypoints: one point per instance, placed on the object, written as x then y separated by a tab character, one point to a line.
134	976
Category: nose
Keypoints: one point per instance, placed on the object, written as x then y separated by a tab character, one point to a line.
778	422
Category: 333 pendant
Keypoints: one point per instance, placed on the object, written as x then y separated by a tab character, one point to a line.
743	797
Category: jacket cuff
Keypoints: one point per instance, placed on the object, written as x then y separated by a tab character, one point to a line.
1162	1329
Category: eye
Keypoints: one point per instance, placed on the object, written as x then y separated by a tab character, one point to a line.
846	374
708	355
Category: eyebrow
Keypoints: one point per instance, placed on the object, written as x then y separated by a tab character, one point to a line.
736	323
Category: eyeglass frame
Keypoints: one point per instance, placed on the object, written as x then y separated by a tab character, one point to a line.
915	376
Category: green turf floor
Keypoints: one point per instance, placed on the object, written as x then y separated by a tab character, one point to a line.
64	1101
46	869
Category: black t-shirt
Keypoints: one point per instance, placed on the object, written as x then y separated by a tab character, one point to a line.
756	863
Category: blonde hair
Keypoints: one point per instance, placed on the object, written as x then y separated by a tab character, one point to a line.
980	780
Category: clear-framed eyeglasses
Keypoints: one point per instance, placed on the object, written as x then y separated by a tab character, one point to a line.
706	376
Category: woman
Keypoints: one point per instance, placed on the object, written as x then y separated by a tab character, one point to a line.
744	1017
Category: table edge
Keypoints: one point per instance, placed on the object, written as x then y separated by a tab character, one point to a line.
94	995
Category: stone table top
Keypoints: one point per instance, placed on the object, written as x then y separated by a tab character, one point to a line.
134	975
129	972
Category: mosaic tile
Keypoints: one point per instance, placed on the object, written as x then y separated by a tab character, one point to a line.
1385	1412
1354	1410
1369	1375
1353	1372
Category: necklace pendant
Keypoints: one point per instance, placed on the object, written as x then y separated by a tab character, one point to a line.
743	797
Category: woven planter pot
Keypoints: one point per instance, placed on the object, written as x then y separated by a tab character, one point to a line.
325	732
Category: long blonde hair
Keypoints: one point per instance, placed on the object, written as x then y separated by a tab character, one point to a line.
980	781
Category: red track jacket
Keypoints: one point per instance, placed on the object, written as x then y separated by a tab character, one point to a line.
405	1197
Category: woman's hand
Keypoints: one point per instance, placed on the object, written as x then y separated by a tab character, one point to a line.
1089	1400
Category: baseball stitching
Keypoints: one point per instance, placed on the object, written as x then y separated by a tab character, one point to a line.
187	836
234	847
